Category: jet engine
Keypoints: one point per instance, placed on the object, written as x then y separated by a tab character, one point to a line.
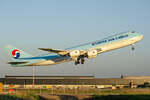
74	53
92	53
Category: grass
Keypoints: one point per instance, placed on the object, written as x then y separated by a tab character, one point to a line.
120	97
93	94
10	97
125	91
21	96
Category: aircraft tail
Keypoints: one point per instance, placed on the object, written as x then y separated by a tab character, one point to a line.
17	53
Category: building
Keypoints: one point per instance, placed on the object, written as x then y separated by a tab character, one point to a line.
69	81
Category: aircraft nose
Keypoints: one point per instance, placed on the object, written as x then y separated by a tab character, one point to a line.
141	37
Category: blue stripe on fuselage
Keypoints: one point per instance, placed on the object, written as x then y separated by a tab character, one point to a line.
42	57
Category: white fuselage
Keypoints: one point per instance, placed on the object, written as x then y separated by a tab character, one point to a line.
104	48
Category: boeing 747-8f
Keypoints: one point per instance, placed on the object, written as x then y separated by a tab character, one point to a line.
76	53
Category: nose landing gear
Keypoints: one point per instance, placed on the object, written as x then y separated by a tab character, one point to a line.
132	48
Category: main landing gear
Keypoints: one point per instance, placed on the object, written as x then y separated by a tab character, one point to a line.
82	60
79	60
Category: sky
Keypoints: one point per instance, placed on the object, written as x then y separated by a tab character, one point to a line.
31	24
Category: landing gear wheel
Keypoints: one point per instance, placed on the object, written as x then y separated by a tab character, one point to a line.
77	62
82	60
133	48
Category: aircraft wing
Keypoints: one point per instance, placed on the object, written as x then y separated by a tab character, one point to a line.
65	52
60	52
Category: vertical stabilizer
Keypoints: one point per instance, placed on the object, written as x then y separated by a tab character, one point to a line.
17	53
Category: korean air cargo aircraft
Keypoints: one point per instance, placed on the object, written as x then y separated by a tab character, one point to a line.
76	53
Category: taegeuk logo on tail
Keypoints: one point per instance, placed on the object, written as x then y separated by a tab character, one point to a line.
16	53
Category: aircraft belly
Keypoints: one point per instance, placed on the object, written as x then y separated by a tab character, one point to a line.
42	63
62	59
53	61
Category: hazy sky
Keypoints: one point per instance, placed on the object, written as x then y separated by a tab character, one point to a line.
30	24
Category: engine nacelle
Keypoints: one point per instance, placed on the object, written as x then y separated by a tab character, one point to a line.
92	53
74	53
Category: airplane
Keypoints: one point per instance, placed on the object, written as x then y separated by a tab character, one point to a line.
76	53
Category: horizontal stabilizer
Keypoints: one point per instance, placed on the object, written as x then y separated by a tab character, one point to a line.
17	63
